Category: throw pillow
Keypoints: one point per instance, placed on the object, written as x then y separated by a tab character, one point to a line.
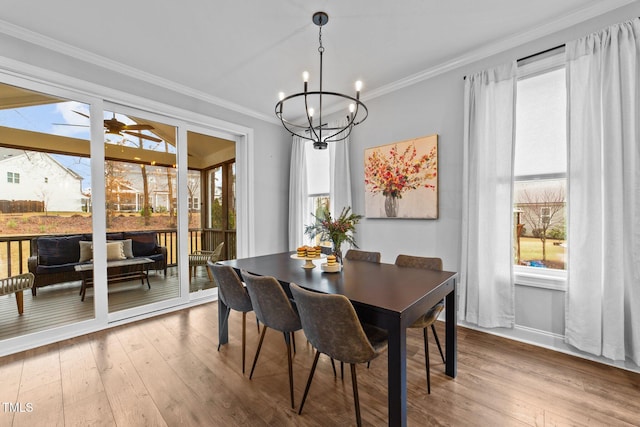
115	251
127	247
86	251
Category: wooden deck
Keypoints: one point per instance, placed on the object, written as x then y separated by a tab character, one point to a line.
59	305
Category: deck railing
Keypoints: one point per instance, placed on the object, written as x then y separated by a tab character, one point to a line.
15	250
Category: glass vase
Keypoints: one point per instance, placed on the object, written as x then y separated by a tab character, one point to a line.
391	206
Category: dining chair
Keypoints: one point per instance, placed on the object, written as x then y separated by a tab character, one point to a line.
429	318
358	255
332	326
234	295
274	310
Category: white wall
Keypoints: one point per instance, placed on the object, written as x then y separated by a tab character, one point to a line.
436	106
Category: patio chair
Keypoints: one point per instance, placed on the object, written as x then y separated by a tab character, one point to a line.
200	258
17	284
357	255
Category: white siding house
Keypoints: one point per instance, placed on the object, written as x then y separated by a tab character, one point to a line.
30	175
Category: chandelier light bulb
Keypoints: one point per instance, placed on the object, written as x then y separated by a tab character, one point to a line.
352	107
305	76
358	86
310	111
281	95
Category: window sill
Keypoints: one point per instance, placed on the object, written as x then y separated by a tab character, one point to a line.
540	278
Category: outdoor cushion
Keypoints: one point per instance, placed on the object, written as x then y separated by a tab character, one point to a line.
143	243
61	268
59	250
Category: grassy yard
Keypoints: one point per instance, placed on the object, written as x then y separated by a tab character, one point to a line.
531	250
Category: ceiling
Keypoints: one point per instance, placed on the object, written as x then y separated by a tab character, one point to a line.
241	53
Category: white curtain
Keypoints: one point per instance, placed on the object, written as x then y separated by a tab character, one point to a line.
340	174
603	298
486	280
298	197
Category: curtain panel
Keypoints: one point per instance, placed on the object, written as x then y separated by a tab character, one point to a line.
299	212
486	280
603	298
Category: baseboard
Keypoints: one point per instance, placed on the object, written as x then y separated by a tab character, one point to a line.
550	341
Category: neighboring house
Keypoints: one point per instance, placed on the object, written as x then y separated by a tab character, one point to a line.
31	175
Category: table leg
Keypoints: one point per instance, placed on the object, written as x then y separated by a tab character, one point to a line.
146	276
397	376
451	312
223	327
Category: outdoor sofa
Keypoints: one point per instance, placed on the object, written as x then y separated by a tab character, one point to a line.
53	258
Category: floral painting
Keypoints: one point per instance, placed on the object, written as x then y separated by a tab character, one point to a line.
401	179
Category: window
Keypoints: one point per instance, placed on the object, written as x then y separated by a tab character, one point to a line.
13	178
317	162
540	166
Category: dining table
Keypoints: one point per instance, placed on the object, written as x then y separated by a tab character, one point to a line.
385	295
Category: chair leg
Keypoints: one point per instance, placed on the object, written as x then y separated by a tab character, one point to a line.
244	336
293	341
20	302
356	400
313	370
435	335
333	365
224	323
426	359
287	341
255	359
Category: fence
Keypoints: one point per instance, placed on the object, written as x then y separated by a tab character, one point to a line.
21	206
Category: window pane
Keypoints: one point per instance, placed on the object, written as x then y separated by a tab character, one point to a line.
540	209
540	169
541	125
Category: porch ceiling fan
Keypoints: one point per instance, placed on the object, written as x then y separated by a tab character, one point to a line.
114	126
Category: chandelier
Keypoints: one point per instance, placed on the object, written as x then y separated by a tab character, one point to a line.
311	127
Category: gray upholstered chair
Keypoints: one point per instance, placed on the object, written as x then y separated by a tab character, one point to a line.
430	317
274	310
333	328
232	292
358	255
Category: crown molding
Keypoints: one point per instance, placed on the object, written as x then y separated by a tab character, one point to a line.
596	9
86	56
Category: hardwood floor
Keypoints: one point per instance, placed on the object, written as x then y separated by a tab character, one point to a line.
166	371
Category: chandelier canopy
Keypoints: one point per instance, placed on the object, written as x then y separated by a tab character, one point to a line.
310	126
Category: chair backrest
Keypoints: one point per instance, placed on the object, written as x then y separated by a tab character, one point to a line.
332	326
419	262
270	303
217	253
357	255
428	264
230	288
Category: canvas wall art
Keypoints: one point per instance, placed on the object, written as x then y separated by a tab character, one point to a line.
401	179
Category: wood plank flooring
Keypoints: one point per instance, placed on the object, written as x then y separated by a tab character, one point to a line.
165	371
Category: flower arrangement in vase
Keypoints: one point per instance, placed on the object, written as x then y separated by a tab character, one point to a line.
338	230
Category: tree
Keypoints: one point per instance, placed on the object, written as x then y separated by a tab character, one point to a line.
542	210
